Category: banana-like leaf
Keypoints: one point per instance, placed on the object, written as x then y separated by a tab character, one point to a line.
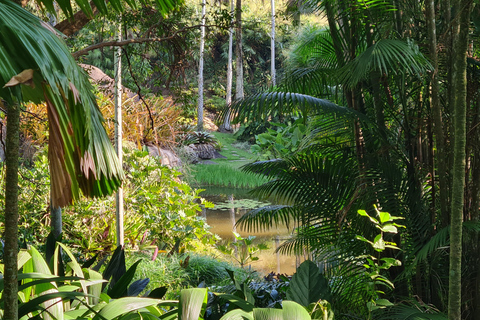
96	289
292	310
238	314
80	153
48	304
308	285
121	306
192	303
268	314
47	292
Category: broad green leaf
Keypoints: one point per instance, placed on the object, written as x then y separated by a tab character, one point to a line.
268	314
192	303
379	243
23	257
308	285
237	314
384	217
77	269
121	306
48	301
96	289
383	302
389	228
365	214
292	310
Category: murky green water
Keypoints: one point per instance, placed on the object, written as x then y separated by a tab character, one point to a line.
230	205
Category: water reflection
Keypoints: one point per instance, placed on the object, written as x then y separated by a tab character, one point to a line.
230	205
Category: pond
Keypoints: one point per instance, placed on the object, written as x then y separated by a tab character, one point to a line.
230	205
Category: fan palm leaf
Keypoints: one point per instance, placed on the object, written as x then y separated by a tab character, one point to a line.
81	155
387	56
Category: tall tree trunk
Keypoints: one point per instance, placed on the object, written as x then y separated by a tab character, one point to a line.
272	45
239	51
200	71
56	221
119	135
460	27
436	107
228	98
10	256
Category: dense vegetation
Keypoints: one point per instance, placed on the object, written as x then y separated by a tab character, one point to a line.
367	144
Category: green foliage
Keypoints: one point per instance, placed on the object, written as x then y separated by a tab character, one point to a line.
375	265
280	141
179	271
160	209
215	104
200	137
187	98
242	249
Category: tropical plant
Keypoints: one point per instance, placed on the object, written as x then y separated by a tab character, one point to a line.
375	265
281	140
58	290
200	137
242	249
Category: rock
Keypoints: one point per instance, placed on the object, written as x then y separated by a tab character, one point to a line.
204	151
168	158
190	154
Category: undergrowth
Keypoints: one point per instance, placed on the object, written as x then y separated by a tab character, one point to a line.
175	273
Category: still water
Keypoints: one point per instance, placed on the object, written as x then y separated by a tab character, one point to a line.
230	205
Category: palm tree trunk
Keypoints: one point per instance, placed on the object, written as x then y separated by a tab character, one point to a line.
200	71
272	45
436	107
459	82
239	51
119	136
56	221
10	256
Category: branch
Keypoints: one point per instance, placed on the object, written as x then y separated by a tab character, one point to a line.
122	43
69	26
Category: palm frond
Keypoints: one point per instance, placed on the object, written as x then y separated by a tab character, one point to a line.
410	311
266	217
81	154
387	56
264	106
163	6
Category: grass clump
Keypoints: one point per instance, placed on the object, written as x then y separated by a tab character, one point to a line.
176	274
225	176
